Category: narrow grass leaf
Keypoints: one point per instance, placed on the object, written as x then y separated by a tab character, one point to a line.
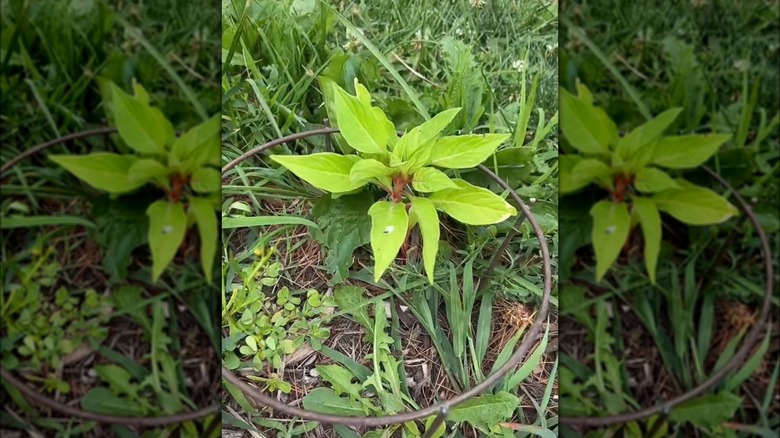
264	221
43	221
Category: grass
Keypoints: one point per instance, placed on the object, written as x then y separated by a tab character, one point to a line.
416	59
704	57
99	331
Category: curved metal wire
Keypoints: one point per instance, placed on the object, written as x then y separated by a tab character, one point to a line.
521	351
32	394
741	355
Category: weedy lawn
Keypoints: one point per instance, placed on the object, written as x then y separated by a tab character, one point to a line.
631	343
304	319
82	321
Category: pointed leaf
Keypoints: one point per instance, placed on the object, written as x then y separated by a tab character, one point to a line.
340	379
206	219
326	171
587	128
143	128
145	170
628	146
199	146
611	223
650	179
464	151
206	180
101	170
426	132
368	169
167	226
389	223
687	151
485	410
428	219
707	411
103	401
429	179
566	179
590	170
650	220
472	205
326	401
694	205
358	124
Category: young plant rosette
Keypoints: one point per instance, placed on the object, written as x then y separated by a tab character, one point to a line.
405	169
630	169
185	167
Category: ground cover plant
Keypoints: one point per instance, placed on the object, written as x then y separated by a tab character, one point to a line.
105	302
328	302
661	275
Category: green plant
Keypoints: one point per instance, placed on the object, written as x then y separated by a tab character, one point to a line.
183	167
41	332
265	330
628	167
411	165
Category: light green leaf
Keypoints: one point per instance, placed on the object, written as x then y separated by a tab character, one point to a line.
566	180
326	401
485	410
432	128
464	151
429	179
707	411
102	170
206	180
368	169
145	170
694	205
425	213
587	128
389	223
650	220
143	128
472	205
103	401
167	226
206	219
590	170
427	132
199	146
358	123
611	223
340	379
140	93
650	179
326	171
118	378
687	151
628	146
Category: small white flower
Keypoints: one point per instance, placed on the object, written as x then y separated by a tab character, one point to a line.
532	200
477	3
519	65
742	65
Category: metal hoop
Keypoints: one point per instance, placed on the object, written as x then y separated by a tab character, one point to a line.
443	407
741	355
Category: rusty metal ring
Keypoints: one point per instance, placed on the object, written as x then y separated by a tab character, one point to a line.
741	355
445	406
